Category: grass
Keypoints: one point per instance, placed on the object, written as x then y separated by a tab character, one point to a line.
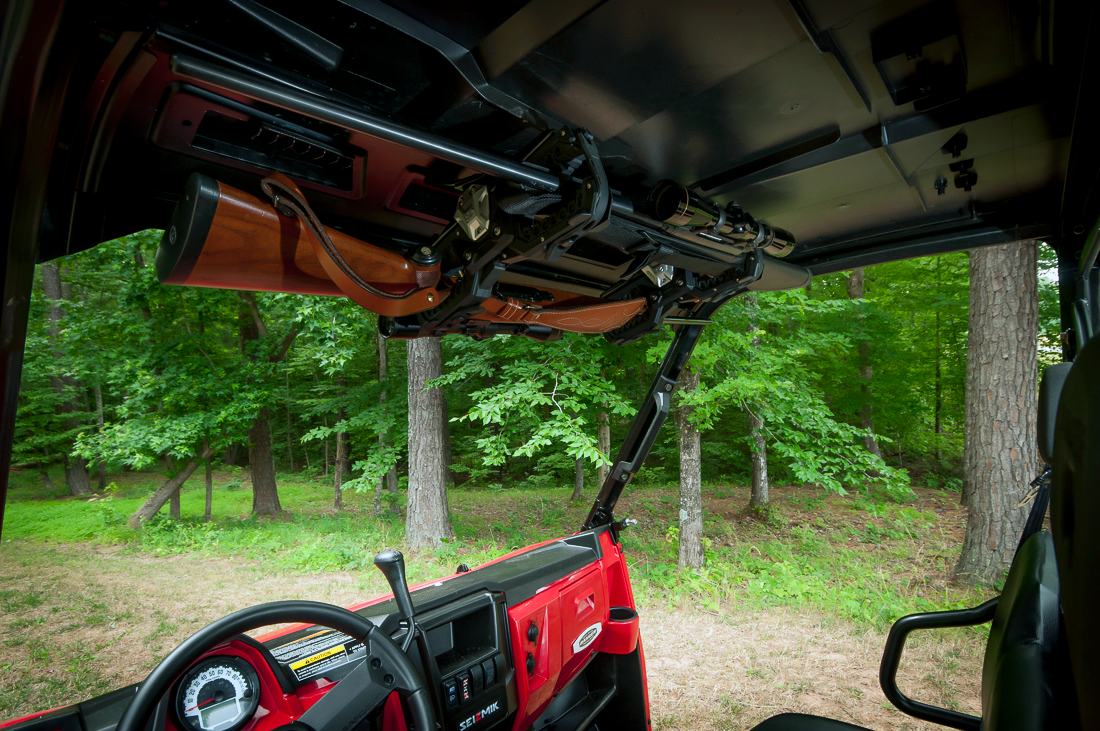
854	558
854	563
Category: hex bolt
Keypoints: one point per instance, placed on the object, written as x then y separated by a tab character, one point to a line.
588	185
542	239
425	251
469	256
496	230
431	297
679	282
668	386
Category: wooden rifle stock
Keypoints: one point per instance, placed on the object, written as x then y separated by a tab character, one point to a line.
224	238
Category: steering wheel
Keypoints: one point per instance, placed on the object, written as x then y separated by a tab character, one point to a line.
384	670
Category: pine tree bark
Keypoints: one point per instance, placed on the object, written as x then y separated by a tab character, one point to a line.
427	523
603	443
388	483
156	501
759	500
999	455
76	468
866	370
691	479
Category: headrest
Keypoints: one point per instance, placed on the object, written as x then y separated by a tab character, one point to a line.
1075	523
1050	391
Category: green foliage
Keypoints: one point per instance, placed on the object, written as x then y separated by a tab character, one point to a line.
176	370
757	359
539	396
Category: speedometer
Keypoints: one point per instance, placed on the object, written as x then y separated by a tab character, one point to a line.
219	694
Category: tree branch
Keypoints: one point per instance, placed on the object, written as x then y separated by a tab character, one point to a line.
250	300
279	354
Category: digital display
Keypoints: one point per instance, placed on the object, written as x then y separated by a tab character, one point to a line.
219	714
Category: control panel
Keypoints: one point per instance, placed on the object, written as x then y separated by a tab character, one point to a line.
472	696
469	643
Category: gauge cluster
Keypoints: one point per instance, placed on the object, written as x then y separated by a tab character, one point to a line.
220	693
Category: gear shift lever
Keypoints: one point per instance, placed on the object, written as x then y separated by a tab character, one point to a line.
392	565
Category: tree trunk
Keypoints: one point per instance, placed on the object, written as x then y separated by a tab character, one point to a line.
937	425
174	505
209	489
427	523
100	466
76	476
866	372
76	468
289	437
265	491
603	443
691	479
340	468
156	501
578	481
1000	454
759	501
937	421
261	461
389	480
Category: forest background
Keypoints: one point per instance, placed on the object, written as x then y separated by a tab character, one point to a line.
856	383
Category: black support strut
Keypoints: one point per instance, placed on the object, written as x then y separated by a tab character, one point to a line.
643	432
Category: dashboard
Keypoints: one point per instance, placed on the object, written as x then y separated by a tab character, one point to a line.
545	636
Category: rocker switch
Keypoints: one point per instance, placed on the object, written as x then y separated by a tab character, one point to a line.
532	632
489	669
478	677
450	691
464	687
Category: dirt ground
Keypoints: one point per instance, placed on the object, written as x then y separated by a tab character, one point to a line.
76	621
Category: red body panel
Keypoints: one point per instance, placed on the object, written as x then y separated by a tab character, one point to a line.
21	719
573	615
573	620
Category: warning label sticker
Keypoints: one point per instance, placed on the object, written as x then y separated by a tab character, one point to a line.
319	653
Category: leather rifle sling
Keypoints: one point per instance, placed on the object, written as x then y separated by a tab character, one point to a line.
288	199
599	318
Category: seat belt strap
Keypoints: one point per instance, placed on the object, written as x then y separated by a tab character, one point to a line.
1039	496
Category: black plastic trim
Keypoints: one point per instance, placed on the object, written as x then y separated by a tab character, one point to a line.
518	578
